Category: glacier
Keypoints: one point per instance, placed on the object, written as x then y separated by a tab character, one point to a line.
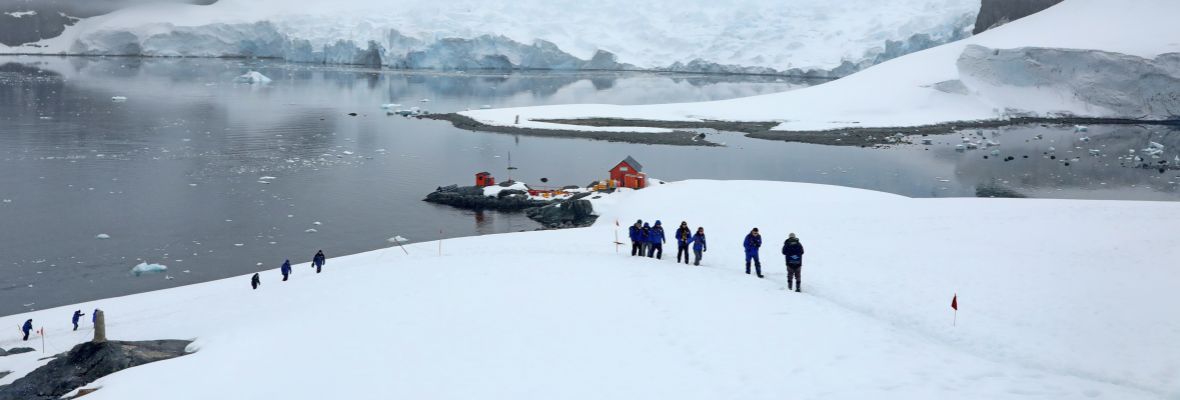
801	37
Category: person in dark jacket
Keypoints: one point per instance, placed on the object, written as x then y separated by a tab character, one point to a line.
77	316
683	237
644	239
656	239
255	281
318	261
285	269
698	245
26	328
752	243
94	316
636	243
793	251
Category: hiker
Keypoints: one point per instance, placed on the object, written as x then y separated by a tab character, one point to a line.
752	243
636	246
698	245
644	239
657	240
28	327
793	250
77	315
318	261
285	269
683	237
255	281
94	317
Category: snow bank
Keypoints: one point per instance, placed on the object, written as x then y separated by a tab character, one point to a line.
926	87
1058	299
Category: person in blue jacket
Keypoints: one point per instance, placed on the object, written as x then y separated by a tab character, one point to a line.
644	239
656	239
77	316
698	245
28	327
94	317
285	269
636	243
683	237
255	281
793	251
318	261
752	243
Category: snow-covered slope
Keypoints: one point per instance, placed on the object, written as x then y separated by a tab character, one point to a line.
946	83
803	34
1059	299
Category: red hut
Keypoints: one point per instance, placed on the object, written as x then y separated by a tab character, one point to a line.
484	179
629	173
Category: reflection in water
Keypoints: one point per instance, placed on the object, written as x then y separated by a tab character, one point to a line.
216	179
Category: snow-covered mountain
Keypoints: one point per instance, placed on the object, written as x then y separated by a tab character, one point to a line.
1079	58
764	36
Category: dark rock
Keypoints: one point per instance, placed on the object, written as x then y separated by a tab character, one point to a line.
565	214
87	362
16	350
472	198
511	192
993	13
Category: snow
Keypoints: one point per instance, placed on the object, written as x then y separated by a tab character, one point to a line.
1058	299
20	14
143	268
904	91
252	77
650	33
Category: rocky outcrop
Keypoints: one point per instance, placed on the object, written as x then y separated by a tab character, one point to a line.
87	362
472	198
572	213
993	13
15	351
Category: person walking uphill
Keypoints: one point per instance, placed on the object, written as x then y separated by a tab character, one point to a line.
318	261
683	237
255	281
656	240
698	245
77	316
26	328
644	239
752	243
793	251
636	244
285	269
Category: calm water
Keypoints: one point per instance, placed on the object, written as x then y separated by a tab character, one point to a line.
175	174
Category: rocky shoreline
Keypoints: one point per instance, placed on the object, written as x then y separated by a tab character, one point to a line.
86	363
853	136
572	212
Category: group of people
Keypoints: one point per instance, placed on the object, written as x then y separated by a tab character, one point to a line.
27	328
317	262
648	241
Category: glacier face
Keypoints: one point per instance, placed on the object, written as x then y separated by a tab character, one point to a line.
817	37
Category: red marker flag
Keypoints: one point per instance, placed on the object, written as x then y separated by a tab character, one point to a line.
955	302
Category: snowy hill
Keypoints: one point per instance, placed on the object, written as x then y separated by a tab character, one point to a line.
745	35
1059	299
1092	58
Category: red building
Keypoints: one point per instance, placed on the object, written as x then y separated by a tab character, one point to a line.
484	179
629	173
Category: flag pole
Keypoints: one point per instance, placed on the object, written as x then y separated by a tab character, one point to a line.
617	236
440	239
42	340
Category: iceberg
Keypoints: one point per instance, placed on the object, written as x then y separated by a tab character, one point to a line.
144	268
252	77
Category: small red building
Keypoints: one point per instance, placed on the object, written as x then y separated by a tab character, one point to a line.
629	173
484	179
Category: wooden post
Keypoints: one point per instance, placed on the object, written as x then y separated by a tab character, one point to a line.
100	327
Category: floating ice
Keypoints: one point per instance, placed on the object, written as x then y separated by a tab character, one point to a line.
118	99
1080	128
252	77
102	236
390	105
267	178
397	239
144	268
317	223
312	230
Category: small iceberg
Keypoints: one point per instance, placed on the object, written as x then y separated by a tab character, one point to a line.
144	268
387	106
252	77
102	236
118	99
1080	128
